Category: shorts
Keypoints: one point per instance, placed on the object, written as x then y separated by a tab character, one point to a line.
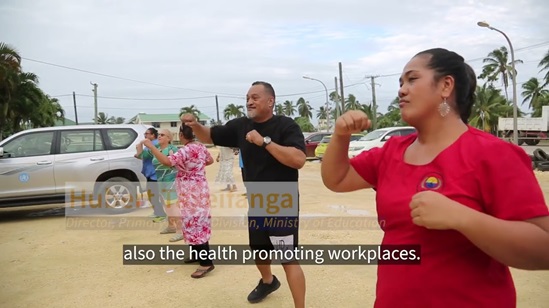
273	233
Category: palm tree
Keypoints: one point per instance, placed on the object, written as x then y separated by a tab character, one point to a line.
233	110
488	107
533	91
304	108
279	109
497	64
190	109
334	97
544	64
321	114
351	103
289	108
392	117
102	118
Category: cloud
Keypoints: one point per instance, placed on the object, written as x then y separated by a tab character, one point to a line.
219	47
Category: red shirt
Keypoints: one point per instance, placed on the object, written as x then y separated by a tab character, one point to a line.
479	171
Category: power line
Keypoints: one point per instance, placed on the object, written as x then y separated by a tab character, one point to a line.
121	78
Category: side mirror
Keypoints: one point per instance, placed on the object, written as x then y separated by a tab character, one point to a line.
386	138
307	141
1	152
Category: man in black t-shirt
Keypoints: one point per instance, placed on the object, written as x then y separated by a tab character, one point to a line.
273	151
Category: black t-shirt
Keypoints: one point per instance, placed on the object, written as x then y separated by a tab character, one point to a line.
259	164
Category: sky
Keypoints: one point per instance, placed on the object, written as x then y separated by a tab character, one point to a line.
159	56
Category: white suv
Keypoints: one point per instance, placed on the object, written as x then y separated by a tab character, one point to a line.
377	138
40	166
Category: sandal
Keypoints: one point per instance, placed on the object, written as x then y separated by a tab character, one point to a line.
199	273
176	238
167	230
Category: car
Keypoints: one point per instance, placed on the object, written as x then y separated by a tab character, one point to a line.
321	148
377	138
312	140
79	162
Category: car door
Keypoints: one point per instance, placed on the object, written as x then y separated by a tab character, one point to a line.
312	143
82	157
26	168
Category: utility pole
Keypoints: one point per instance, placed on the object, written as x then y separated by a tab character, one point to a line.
94	101
75	112
217	108
374	105
341	88
336	100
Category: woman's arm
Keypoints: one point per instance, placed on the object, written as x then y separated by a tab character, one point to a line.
163	159
519	244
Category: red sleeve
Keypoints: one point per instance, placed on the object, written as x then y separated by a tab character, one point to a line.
367	163
508	184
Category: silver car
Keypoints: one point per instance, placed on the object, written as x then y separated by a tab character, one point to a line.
72	163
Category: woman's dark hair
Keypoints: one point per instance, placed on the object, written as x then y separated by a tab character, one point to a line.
449	63
153	132
187	132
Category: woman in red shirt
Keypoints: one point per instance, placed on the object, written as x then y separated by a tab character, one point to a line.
469	199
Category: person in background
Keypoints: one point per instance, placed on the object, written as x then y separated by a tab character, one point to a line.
148	171
225	174
193	193
166	182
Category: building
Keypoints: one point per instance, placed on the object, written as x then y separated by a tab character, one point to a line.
169	121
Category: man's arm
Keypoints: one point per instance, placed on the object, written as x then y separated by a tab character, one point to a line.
200	131
291	151
287	155
224	135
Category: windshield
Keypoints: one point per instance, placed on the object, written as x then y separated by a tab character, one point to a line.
356	137
325	139
373	135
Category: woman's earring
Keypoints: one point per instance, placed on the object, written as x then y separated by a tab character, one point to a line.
444	108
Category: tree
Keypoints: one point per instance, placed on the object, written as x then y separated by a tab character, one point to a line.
23	104
488	107
289	108
190	109
497	65
279	109
233	110
392	117
304	108
305	124
534	92
544	64
351	103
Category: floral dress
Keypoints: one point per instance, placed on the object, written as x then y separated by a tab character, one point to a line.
193	192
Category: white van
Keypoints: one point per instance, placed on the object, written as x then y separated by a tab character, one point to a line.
377	138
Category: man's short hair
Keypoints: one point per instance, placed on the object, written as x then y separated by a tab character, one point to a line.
268	87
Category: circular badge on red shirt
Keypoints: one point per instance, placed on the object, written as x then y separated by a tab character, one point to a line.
432	181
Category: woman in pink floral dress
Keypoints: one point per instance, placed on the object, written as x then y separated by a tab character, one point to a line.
193	194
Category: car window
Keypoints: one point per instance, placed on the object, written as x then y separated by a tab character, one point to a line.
316	138
356	137
373	135
77	141
393	133
407	132
32	144
121	138
326	139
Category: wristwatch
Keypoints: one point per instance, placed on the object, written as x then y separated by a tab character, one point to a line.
266	141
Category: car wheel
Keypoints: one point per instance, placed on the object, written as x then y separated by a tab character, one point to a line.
117	195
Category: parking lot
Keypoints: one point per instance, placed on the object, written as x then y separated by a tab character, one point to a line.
46	263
